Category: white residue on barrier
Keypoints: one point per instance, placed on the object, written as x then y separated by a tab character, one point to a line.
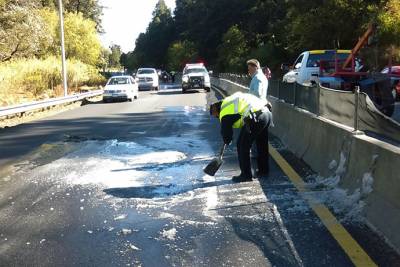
342	201
367	182
332	165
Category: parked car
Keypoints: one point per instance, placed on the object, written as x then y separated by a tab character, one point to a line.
147	78
195	76
120	88
394	73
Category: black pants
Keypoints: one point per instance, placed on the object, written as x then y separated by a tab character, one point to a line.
258	133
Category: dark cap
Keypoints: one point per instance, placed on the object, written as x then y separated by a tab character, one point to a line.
216	105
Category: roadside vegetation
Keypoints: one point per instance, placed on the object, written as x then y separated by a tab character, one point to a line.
225	33
30	63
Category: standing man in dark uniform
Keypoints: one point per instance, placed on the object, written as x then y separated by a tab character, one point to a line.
252	115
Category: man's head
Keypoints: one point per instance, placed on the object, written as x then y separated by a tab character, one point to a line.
253	65
215	109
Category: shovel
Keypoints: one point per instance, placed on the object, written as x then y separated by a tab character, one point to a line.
214	165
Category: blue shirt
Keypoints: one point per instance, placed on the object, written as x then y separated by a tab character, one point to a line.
259	85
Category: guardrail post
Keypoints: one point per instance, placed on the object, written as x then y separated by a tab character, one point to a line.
318	99
356	108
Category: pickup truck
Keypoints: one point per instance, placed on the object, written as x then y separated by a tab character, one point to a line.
306	68
325	67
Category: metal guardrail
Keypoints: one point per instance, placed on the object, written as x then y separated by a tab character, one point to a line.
12	110
348	108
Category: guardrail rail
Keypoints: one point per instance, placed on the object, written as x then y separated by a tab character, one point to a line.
31	106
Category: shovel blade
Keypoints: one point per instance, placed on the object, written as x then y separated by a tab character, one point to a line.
213	166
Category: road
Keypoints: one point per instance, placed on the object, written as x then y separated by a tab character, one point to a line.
121	184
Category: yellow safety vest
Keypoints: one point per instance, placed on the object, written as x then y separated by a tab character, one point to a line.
241	103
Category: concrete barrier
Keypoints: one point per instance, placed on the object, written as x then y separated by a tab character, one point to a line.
365	166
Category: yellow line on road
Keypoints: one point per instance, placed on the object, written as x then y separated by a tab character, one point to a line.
350	246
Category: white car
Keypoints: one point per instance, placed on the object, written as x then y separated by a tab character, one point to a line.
147	78
120	88
195	76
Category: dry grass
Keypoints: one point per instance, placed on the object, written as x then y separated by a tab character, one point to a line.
26	80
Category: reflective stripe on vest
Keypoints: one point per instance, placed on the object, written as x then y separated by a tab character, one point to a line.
240	104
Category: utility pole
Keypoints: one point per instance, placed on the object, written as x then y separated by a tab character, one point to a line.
64	67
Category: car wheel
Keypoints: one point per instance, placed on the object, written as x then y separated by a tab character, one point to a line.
208	89
136	96
183	91
105	100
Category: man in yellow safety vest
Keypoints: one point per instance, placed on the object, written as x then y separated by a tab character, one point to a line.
253	116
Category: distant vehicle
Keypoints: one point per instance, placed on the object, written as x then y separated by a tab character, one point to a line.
147	78
394	73
120	88
195	76
306	68
165	77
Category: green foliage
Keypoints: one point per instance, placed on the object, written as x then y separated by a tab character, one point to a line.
81	39
389	21
90	9
115	56
233	50
30	45
180	53
226	32
33	78
22	32
151	46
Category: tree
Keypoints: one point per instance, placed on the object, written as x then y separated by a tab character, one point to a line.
232	51
90	9
151	46
180	53
115	56
23	32
104	59
389	21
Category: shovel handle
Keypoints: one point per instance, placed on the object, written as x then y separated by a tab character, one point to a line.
222	151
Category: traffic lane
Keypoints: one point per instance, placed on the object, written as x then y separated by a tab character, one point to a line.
22	139
38	213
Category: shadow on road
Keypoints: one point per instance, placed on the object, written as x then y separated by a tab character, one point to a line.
176	92
162	166
157	191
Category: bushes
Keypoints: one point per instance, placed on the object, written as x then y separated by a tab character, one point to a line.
32	79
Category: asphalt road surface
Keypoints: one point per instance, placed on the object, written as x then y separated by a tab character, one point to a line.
121	184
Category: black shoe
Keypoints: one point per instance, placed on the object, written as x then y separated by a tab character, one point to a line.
241	178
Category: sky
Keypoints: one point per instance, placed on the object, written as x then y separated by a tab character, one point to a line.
124	20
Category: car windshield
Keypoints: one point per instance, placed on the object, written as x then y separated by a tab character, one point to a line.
116	81
194	70
315	59
145	72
